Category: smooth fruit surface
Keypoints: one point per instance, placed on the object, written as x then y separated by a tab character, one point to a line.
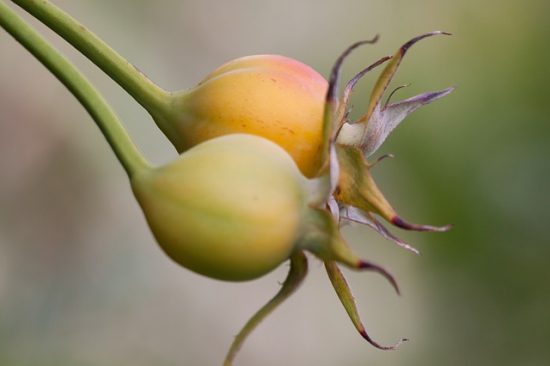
271	96
228	208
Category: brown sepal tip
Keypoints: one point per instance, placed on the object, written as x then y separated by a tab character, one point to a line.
336	69
408	45
366	265
379	346
399	222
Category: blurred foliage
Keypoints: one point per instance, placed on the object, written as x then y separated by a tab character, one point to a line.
82	283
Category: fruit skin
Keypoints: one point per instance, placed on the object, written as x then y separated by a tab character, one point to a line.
271	96
229	208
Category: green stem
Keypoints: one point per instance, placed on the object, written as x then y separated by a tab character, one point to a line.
297	273
154	99
127	153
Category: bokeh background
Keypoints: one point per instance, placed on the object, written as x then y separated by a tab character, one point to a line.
83	283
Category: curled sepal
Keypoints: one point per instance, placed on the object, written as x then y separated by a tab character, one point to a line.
388	73
399	222
353	214
384	120
296	275
344	294
332	101
357	188
372	128
334	116
381	159
344	104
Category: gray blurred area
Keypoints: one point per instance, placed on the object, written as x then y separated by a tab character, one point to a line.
82	281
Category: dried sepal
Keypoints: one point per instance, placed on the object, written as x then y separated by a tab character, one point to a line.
331	122
353	214
395	90
344	105
332	98
357	188
399	222
381	159
296	275
384	120
346	298
336	70
389	72
372	128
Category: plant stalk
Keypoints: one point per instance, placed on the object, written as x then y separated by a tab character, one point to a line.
154	99
107	121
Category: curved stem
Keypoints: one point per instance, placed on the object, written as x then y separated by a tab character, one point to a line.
127	153
297	273
143	90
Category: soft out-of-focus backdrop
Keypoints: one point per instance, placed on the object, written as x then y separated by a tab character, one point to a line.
83	283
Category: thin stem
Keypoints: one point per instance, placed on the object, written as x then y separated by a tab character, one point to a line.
125	150
154	99
296	274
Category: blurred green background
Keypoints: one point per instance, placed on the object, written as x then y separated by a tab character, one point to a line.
83	283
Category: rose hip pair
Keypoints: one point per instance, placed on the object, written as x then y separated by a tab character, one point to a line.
270	162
